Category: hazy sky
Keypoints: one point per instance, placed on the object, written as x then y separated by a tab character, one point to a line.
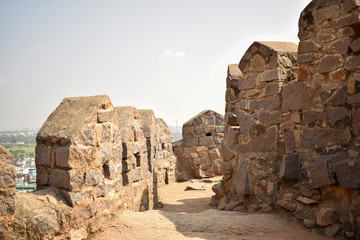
170	55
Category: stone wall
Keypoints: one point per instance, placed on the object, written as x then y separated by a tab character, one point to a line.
92	159
199	154
292	136
7	188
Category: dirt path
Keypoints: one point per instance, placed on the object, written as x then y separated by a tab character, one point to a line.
188	215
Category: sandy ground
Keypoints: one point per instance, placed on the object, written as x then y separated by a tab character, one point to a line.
188	215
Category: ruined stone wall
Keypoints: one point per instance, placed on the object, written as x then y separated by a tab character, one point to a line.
199	153
298	147
92	159
7	188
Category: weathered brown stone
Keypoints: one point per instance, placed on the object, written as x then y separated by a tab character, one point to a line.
307	191
290	143
273	74
329	63
75	198
93	177
73	157
287	125
105	116
308	46
348	173
297	95
242	185
7	177
290	167
272	88
303	73
339	97
7	200
326	12
337	75
353	99
287	205
326	216
356	121
267	103
355	45
320	138
352	63
42	155
86	136
305	58
85	212
270	118
340	46
309	223
337	114
346	20
248	82
257	63
306	200
206	141
264	143
106	133
65	179
244	120
319	175
226	152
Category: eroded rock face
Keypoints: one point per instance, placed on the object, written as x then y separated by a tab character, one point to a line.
199	153
293	114
7	186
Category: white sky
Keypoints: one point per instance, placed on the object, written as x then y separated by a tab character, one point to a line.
170	55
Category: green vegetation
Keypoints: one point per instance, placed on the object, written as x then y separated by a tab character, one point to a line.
19	152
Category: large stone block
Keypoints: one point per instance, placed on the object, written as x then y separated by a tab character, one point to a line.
86	136
206	141
248	82
290	167
319	175
93	177
74	157
106	116
297	95
321	138
265	104
353	99
191	142
352	63
243	185
337	114
42	176
329	63
270	118
42	155
290	141
273	74
66	179
106	133
264	143
326	216
348	173
311	116
7	177
75	198
245	121
226	152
